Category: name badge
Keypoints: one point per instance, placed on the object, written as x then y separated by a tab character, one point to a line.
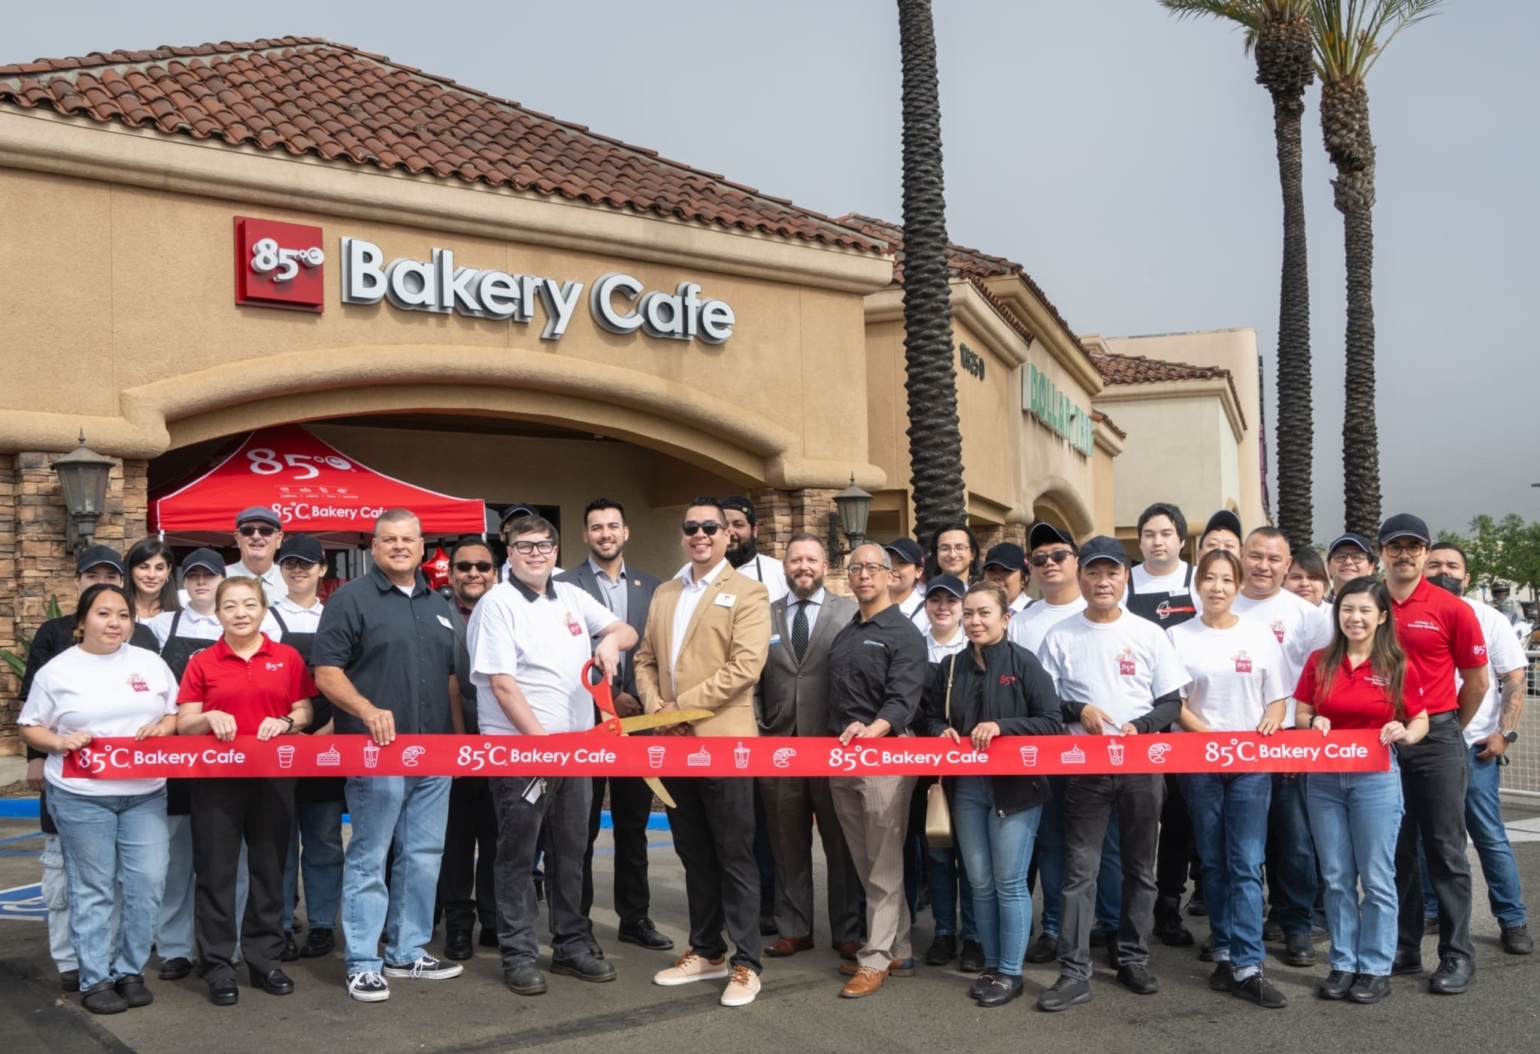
726	600
775	639
1177	593
574	627
444	622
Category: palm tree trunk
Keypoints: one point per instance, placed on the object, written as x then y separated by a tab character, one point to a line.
935	440
1345	126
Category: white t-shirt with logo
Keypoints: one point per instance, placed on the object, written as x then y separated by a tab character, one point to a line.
1119	667
1030	626
1299	627
105	695
1236	673
1504	655
542	644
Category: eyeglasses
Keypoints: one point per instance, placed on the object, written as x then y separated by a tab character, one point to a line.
1349	556
465	567
958	550
295	563
523	549
865	570
1058	556
711	527
1412	548
264	530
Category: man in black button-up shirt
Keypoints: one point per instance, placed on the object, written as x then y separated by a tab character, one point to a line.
385	655
877	674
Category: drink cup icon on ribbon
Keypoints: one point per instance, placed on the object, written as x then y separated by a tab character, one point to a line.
599	687
286	757
1028	757
1115	752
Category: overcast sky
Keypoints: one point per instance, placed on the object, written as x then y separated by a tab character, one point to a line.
1126	159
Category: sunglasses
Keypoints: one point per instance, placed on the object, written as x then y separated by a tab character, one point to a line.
465	567
264	530
711	527
1058	556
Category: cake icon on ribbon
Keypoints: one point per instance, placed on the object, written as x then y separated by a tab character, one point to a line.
331	759
1073	756
700	759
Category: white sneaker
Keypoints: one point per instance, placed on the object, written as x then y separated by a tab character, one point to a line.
368	987
692	967
426	968
742	989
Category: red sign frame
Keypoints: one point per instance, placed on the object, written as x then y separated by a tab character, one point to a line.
289	273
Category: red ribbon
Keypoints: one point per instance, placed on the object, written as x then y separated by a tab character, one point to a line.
605	755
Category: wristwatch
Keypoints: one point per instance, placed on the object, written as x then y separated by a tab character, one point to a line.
289	719
1509	737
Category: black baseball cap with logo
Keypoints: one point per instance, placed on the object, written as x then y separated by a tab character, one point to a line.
98	556
301	547
1351	541
945	584
1404	525
1007	555
1044	533
207	559
906	550
1103	548
516	510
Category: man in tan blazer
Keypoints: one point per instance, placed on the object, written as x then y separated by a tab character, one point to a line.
708	632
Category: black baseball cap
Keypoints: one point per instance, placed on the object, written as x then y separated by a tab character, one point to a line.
98	556
1351	540
906	550
1404	525
259	514
1007	555
1103	548
1044	533
945	584
207	559
738	503
301	547
515	510
1223	520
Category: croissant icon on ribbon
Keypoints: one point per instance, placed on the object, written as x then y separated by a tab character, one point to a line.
1157	753
410	755
782	758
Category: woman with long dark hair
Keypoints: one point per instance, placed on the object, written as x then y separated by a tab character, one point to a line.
1360	680
151	578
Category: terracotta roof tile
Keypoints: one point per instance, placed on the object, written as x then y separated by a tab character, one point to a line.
1097	415
1140	369
308	96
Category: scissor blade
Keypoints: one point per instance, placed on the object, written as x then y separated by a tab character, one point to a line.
657	788
661	719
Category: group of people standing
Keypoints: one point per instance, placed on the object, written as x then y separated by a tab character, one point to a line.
946	642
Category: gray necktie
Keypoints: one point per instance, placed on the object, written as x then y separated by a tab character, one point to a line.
799	630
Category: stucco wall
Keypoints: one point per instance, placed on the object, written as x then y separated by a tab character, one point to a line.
1175	452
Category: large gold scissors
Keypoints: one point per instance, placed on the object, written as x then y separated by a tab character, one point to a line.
616	725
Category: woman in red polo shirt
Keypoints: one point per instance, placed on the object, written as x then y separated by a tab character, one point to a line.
244	684
1361	680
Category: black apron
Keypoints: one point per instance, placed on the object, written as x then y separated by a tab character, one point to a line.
1165	609
315	788
177	653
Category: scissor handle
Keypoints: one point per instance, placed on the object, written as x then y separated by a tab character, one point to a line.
589	669
600	690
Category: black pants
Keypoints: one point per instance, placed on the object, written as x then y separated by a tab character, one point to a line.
713	829
1433	777
556	822
224	812
465	885
630	807
1176	860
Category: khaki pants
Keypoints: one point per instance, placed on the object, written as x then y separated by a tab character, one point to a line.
873	811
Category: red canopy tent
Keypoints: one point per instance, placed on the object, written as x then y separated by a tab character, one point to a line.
313	487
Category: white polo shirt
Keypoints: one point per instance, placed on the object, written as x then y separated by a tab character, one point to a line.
1504	655
1119	667
936	652
541	640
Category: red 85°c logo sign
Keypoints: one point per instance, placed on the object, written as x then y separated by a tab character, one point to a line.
279	265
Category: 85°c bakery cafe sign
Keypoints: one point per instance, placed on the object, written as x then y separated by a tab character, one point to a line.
282	265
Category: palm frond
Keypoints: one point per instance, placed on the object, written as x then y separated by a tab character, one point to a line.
1350	35
1249	15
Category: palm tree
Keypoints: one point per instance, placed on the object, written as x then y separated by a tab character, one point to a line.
1279	35
935	440
1350	35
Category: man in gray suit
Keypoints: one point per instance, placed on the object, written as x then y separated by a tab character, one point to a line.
628	593
792	700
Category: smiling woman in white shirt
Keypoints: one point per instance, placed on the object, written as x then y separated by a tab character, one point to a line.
1237	686
113	832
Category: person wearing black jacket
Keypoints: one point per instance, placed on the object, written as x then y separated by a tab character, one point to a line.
994	688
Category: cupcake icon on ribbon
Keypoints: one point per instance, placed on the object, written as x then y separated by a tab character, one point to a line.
331	759
1073	756
700	759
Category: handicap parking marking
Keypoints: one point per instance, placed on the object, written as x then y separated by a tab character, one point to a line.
23	903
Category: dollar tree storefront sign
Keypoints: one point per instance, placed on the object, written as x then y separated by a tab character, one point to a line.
1041	398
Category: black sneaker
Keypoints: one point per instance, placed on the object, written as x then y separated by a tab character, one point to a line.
318	942
1044	950
972	958
1336	985
1407	963
368	987
290	950
1259	990
1369	988
1136	977
584	968
425	968
1516	940
131	987
942	950
1453	976
1063	994
1222	977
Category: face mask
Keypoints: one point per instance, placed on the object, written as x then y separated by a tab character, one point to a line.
1448	582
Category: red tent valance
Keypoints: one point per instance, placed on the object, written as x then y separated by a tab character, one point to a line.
313	487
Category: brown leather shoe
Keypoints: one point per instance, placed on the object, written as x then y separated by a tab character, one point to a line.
864	983
896	968
788	946
847	949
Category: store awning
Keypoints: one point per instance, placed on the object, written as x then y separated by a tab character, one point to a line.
313	487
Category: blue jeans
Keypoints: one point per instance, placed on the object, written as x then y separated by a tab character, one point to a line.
1484	822
1050	866
1291	869
1356	820
995	850
1229	827
412	812
107	842
320	823
174	934
946	867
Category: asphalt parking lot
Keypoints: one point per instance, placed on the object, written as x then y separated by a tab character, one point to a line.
798	1009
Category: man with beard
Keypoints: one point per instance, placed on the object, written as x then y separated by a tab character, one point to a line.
743	547
627	592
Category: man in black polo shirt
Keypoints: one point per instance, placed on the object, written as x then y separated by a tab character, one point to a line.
877	672
384	655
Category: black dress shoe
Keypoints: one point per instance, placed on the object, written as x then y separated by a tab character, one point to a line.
131	987
1063	994
1407	963
457	945
1453	976
941	951
318	942
1259	990
642	932
767	926
972	958
977	988
1272	932
224	992
1336	985
1516	940
1222	977
488	938
1196	905
584	968
175	969
1297	950
1001	990
290	950
69	980
525	979
1369	988
1043	950
274	982
1138	979
1168	923
1206	950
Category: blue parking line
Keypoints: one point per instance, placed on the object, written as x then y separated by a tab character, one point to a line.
21	838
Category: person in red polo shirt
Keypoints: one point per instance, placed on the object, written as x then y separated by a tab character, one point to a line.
243	685
1440	634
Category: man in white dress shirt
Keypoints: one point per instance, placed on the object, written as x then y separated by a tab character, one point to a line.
258	534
